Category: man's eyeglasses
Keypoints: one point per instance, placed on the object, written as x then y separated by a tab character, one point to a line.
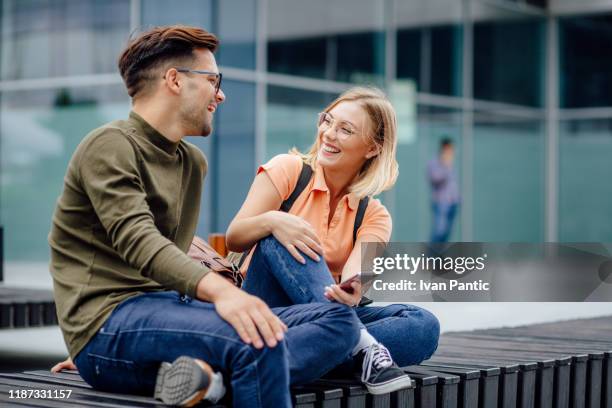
344	130
216	75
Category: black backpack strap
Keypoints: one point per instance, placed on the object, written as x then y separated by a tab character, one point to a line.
363	205
301	184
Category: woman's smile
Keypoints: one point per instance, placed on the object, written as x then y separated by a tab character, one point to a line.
329	150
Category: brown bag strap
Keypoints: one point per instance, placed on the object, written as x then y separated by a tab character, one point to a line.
202	252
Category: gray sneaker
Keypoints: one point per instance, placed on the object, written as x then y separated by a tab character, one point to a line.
379	373
187	381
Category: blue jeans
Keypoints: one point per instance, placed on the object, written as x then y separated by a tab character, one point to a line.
409	332
147	329
443	217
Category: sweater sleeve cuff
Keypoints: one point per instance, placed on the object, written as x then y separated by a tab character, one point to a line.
174	270
191	288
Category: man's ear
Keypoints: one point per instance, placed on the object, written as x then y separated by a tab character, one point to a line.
172	80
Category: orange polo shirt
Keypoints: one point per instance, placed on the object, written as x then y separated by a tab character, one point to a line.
313	206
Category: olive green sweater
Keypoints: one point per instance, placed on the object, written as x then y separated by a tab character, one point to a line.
123	224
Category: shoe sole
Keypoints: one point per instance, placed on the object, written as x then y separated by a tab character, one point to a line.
389	386
182	383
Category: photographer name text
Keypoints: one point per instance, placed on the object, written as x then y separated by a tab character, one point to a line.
425	286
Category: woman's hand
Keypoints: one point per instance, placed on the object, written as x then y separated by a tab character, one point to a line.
294	233
64	365
334	293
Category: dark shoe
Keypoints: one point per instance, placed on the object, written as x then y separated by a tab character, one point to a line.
379	373
187	381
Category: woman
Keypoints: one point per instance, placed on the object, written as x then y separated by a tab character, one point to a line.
353	157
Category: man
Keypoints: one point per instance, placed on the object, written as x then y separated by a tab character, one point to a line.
129	300
445	191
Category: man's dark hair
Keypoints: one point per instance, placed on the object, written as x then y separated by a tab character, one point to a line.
446	142
158	47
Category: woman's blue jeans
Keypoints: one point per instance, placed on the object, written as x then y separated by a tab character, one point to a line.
409	332
145	330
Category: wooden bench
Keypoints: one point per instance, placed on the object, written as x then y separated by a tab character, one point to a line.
563	364
22	307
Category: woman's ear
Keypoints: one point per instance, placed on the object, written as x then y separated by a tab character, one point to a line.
373	151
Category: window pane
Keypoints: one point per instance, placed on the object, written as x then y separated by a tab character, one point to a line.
341	40
39	131
538	3
63	37
230	151
197	13
585	191
236	31
410	199
292	118
508	56
429	45
508	179
409	56
586	70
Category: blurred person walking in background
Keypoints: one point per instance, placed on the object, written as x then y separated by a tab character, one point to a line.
445	196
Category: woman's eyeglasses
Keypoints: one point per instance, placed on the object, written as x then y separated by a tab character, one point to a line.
344	130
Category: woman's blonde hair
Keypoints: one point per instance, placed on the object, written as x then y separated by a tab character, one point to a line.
380	172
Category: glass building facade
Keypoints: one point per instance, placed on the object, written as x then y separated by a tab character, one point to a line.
524	88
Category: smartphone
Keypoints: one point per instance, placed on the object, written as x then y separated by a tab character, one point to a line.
346	285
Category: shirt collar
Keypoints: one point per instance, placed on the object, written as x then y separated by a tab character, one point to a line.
319	184
159	140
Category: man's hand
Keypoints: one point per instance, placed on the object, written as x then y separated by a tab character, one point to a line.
64	365
249	316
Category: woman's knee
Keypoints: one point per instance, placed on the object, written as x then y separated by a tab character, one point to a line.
273	254
347	323
430	333
270	245
421	325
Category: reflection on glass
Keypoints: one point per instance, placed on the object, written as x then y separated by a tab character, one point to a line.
429	45
292	118
231	157
508	56
197	13
40	130
411	211
235	30
508	179
409	56
341	40
538	3
585	68
60	38
585	191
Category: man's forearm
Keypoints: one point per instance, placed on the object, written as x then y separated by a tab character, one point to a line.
173	269
212	287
